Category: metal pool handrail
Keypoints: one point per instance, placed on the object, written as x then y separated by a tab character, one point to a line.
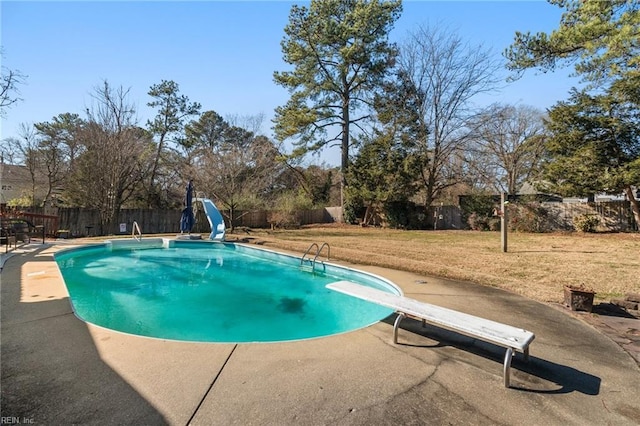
134	229
318	250
307	252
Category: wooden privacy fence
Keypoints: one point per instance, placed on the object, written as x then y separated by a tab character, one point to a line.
613	215
45	224
447	217
78	222
268	219
85	222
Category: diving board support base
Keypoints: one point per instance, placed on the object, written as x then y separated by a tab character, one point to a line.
506	369
396	324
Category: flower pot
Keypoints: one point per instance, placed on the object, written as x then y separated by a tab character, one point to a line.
578	298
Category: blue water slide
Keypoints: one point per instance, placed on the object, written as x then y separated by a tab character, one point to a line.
215	219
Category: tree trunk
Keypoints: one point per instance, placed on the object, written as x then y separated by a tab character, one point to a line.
365	219
232	218
152	196
635	205
345	146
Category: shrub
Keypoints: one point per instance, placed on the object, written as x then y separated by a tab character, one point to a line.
493	223
528	217
480	207
586	222
24	200
289	204
478	222
398	214
283	219
353	209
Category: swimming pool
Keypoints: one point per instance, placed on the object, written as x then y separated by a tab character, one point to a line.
212	292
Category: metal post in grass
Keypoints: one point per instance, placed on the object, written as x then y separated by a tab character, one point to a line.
503	220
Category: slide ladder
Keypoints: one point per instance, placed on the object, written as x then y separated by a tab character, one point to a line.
311	263
216	221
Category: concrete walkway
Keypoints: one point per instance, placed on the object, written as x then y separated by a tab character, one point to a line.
58	370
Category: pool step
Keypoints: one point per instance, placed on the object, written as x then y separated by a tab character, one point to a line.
313	266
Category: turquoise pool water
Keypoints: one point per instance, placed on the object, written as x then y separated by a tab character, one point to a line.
212	292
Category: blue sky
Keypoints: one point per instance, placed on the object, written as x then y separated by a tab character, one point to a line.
221	53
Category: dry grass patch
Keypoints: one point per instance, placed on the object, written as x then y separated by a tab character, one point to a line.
536	265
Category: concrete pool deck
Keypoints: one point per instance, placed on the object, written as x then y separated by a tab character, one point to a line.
58	370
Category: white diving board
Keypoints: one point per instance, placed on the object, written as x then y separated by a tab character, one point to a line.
509	337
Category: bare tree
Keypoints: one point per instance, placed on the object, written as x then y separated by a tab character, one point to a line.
9	153
32	156
506	146
24	150
251	123
447	74
109	169
9	82
231	163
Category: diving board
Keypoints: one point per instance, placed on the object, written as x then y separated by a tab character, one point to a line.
509	337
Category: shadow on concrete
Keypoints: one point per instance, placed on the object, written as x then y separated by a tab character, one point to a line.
541	376
611	310
567	379
54	377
